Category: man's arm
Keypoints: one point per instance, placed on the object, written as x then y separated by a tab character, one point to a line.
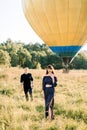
21	81
32	85
31	78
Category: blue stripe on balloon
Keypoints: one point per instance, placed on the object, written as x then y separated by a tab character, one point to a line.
58	49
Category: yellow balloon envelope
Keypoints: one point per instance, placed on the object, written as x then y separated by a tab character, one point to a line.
61	24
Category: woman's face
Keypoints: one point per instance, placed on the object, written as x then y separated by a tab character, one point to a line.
49	70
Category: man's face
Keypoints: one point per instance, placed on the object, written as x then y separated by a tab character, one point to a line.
26	70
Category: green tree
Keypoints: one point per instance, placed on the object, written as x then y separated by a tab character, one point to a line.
35	58
4	58
24	57
14	58
80	61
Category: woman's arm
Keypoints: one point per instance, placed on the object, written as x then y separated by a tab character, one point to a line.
55	81
43	83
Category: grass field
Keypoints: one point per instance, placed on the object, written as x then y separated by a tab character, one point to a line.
70	101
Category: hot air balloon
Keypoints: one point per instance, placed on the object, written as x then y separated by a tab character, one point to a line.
61	24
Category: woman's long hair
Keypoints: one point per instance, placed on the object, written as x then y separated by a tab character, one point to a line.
50	67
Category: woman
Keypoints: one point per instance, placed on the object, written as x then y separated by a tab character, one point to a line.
48	85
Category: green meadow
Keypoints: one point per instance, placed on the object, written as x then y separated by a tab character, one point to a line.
70	107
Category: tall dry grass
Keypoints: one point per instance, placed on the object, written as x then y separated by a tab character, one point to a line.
70	101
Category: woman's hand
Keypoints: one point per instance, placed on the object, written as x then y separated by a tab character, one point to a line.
52	76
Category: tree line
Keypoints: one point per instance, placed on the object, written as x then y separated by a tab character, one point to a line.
35	56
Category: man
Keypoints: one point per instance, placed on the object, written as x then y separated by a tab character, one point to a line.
27	83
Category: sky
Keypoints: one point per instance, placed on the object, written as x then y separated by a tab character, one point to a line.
14	25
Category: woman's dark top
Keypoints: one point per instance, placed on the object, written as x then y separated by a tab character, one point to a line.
48	80
26	79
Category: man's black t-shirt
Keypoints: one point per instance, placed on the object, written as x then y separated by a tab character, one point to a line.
26	80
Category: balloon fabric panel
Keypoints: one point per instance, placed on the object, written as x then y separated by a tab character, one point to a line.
61	24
